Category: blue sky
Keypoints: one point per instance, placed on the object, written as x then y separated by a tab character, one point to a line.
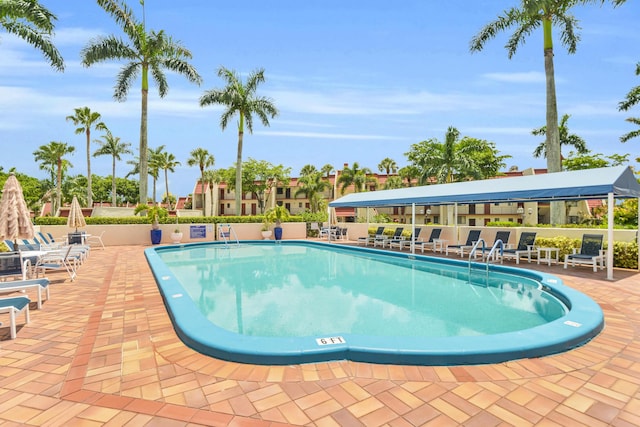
354	82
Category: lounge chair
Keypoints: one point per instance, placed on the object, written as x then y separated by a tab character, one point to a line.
370	239
525	246
62	259
472	238
435	235
385	239
14	306
12	265
590	252
400	243
503	236
25	285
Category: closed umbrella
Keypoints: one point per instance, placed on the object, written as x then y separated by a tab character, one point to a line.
76	219
15	218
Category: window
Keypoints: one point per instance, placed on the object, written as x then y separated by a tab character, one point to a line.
300	204
462	219
280	191
510	220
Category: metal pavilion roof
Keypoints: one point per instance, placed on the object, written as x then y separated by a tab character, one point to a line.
583	184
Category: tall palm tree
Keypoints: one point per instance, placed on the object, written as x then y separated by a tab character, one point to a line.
566	138
34	23
409	173
308	170
111	146
632	99
146	51
312	186
388	165
532	15
85	120
240	99
167	162
355	176
202	159
51	156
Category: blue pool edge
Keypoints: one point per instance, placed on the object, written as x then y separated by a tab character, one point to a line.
584	321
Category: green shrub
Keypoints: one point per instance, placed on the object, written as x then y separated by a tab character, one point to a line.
625	254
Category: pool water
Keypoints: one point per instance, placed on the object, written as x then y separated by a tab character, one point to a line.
290	302
297	291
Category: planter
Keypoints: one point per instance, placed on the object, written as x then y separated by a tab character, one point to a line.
156	237
176	237
266	234
277	232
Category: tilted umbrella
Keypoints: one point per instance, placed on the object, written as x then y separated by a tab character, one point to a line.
15	218
76	219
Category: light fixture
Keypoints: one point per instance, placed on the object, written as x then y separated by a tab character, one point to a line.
428	211
530	211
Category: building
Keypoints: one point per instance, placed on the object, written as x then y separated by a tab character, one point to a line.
220	201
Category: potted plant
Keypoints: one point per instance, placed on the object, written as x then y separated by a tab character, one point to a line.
154	214
277	214
266	232
176	236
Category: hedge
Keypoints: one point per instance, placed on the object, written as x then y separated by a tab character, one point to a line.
49	220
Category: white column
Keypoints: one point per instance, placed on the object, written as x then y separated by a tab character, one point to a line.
413	227
610	203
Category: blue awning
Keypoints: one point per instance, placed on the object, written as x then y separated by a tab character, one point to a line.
583	184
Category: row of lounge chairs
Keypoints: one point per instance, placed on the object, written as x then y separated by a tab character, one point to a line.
590	252
20	271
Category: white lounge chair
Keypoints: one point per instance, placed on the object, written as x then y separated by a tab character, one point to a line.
14	306
472	238
400	243
525	246
435	235
98	239
371	238
25	285
591	252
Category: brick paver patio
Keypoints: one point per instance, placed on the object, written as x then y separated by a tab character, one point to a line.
103	351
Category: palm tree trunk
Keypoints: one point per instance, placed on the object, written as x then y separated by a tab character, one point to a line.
113	183
239	171
59	185
552	136
89	192
144	163
202	190
166	187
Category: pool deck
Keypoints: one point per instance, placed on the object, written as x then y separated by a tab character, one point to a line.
102	351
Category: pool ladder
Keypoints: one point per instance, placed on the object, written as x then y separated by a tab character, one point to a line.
499	244
227	233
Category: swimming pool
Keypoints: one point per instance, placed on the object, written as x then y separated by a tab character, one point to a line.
299	302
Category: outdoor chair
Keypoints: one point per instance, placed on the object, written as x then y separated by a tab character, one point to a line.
25	285
385	239
13	307
98	239
58	260
371	239
472	238
400	243
590	252
12	265
525	246
435	235
503	236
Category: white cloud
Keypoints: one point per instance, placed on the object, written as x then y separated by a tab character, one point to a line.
528	77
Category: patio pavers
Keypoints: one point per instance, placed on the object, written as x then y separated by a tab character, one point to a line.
103	351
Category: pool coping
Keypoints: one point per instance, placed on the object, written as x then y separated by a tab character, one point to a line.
583	321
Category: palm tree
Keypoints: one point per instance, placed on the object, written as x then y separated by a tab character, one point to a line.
154	166
86	119
388	165
566	138
51	156
240	99
211	177
154	51
356	177
450	161
202	159
111	146
312	186
409	173
167	162
308	170
532	15
34	23
393	182
632	99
